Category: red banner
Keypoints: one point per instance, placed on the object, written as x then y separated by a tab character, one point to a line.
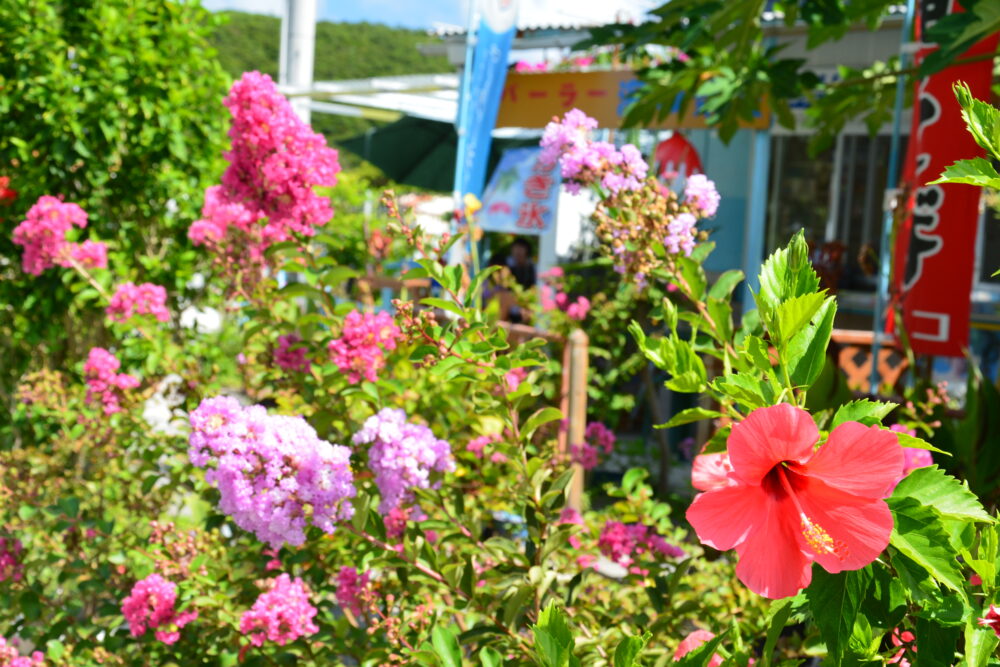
935	245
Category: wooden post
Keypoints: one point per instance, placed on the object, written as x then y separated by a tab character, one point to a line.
577	407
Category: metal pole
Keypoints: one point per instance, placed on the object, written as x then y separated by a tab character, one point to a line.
298	52
892	180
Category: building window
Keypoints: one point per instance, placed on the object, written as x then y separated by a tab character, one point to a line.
837	198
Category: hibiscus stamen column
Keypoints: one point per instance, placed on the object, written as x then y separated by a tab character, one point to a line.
815	535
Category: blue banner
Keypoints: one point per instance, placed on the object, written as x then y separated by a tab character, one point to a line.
482	86
522	196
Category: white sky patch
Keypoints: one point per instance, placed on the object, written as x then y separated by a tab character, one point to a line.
269	7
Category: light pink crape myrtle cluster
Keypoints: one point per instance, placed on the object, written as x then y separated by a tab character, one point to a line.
351	588
275	162
402	455
43	236
359	352
584	161
130	299
700	193
104	380
150	606
274	474
281	614
10	657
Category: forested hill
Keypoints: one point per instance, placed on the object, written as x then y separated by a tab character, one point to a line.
343	51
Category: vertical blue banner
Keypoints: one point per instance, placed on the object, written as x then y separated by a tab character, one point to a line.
482	86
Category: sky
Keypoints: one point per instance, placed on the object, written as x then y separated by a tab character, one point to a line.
427	14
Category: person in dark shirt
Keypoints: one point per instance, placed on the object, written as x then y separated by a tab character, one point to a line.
520	264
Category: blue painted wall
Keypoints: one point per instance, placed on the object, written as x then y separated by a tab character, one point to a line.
729	167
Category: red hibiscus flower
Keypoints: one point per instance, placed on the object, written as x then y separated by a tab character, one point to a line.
788	504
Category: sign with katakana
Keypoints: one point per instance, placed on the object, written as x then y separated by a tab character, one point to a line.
531	99
522	195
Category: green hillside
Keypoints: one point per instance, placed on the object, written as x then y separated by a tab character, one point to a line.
343	51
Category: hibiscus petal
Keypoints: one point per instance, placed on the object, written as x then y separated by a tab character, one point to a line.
722	518
769	436
772	562
843	536
711	471
861	460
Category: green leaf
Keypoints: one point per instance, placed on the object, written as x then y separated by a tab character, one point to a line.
951	498
744	389
553	638
865	411
542	416
55	650
975	171
835	600
691	415
446	646
757	350
489	657
628	650
721	313
444	304
807	349
979	644
935	643
695	277
777	618
725	284
913	442
919	534
797	312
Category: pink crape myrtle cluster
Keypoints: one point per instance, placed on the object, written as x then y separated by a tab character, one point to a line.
360	350
130	300
42	234
402	455
10	559
104	381
626	543
11	657
352	588
151	606
274	474
291	355
553	298
479	444
598	438
584	161
281	614
275	162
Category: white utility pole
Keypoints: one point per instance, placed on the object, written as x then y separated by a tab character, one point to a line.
298	51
